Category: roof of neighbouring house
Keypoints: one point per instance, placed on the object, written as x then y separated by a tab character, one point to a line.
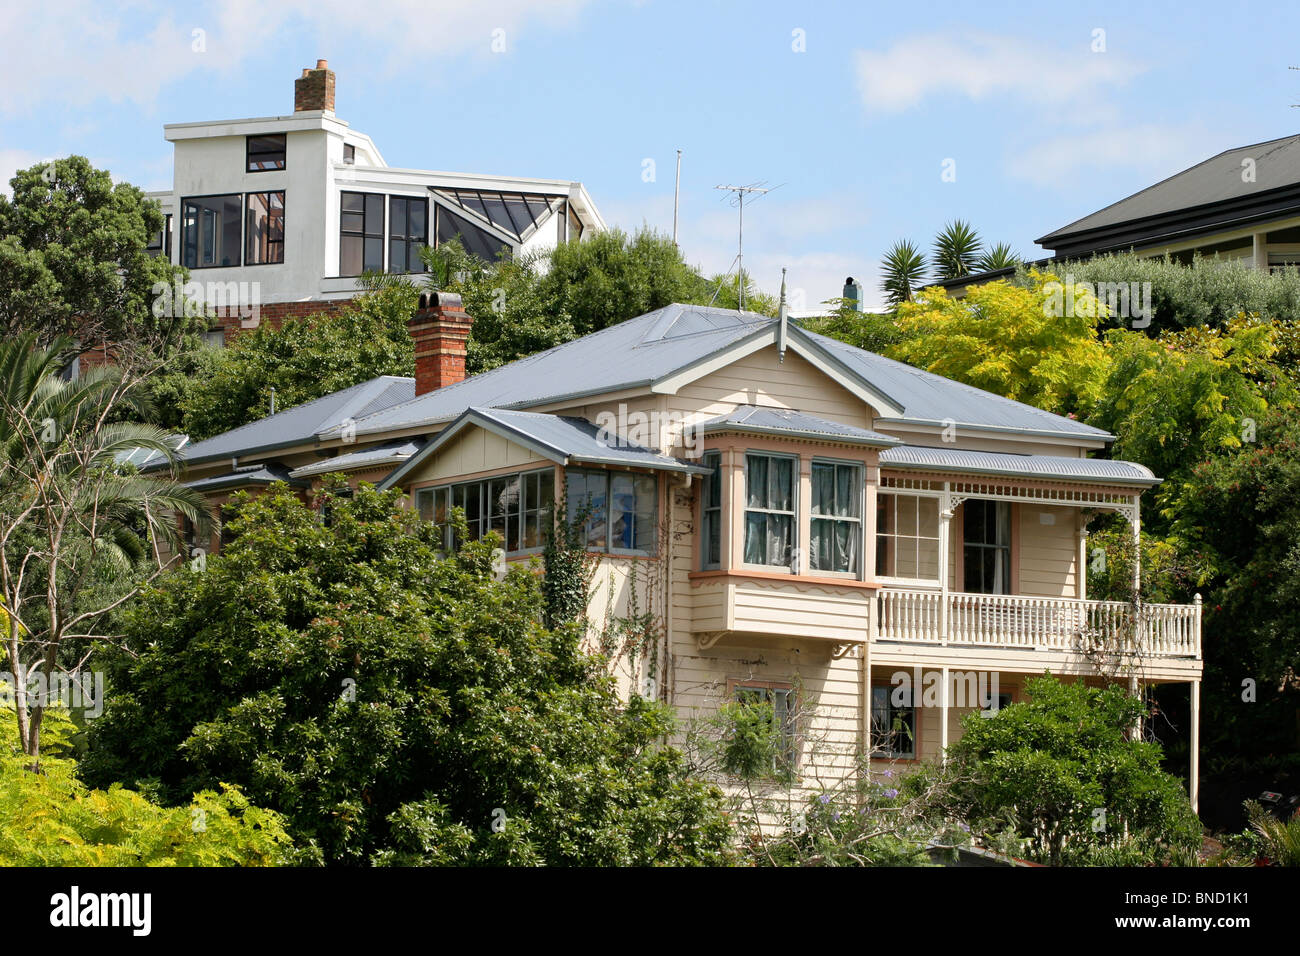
1216	191
263	474
651	349
557	438
785	422
301	424
1050	467
389	453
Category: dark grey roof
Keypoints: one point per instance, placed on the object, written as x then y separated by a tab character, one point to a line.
1057	467
300	425
263	474
759	420
659	344
389	453
561	439
932	399
1214	181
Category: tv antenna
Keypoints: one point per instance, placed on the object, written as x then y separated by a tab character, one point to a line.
738	200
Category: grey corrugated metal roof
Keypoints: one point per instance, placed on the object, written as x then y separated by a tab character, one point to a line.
300	424
932	399
632	353
998	463
389	453
761	420
653	346
561	439
1219	178
259	475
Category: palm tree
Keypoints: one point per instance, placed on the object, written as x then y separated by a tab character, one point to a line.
956	250
1001	256
901	272
73	518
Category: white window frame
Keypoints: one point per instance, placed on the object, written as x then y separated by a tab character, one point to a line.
937	497
791	567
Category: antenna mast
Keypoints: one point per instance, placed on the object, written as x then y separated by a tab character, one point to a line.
677	192
739	200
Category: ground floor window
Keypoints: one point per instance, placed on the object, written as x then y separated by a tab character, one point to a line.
619	509
517	507
893	724
776	702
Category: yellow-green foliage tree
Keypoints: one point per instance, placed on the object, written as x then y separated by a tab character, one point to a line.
52	819
1012	341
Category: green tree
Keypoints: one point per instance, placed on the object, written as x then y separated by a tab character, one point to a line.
1001	256
395	704
1063	770
303	359
72	259
52	819
902	272
80	532
1009	341
956	250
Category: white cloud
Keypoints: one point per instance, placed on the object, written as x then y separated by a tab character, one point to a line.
73	53
978	66
1152	149
12	160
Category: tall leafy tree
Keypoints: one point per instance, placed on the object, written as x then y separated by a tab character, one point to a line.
956	250
396	704
75	523
72	259
902	271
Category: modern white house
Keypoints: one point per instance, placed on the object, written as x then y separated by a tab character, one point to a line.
286	212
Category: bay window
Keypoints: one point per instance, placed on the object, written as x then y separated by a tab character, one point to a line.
836	526
769	509
711	512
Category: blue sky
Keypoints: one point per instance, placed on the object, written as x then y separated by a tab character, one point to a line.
855	128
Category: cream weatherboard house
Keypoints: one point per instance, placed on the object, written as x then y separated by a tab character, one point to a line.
812	524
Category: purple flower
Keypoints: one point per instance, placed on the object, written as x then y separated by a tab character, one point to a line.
825	798
888	773
835	817
964	827
891	793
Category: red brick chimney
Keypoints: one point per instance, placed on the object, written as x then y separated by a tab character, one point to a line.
314	90
440	330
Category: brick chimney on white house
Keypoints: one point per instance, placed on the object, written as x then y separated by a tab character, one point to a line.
314	90
440	330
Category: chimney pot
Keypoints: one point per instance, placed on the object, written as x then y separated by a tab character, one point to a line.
440	330
314	90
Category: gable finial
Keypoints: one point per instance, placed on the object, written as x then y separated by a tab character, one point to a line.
783	313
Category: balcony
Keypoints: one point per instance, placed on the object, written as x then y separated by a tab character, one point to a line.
1021	623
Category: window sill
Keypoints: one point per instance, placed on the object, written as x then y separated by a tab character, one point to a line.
696	577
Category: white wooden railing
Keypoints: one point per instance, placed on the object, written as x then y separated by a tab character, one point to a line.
1016	621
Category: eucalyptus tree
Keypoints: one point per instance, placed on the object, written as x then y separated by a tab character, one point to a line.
81	531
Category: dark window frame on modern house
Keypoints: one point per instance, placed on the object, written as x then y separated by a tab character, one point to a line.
843	519
760	509
608	521
271	150
711	512
477	239
985	561
407	233
349	154
891	723
370	235
784	701
187	234
534	503
273	247
161	243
